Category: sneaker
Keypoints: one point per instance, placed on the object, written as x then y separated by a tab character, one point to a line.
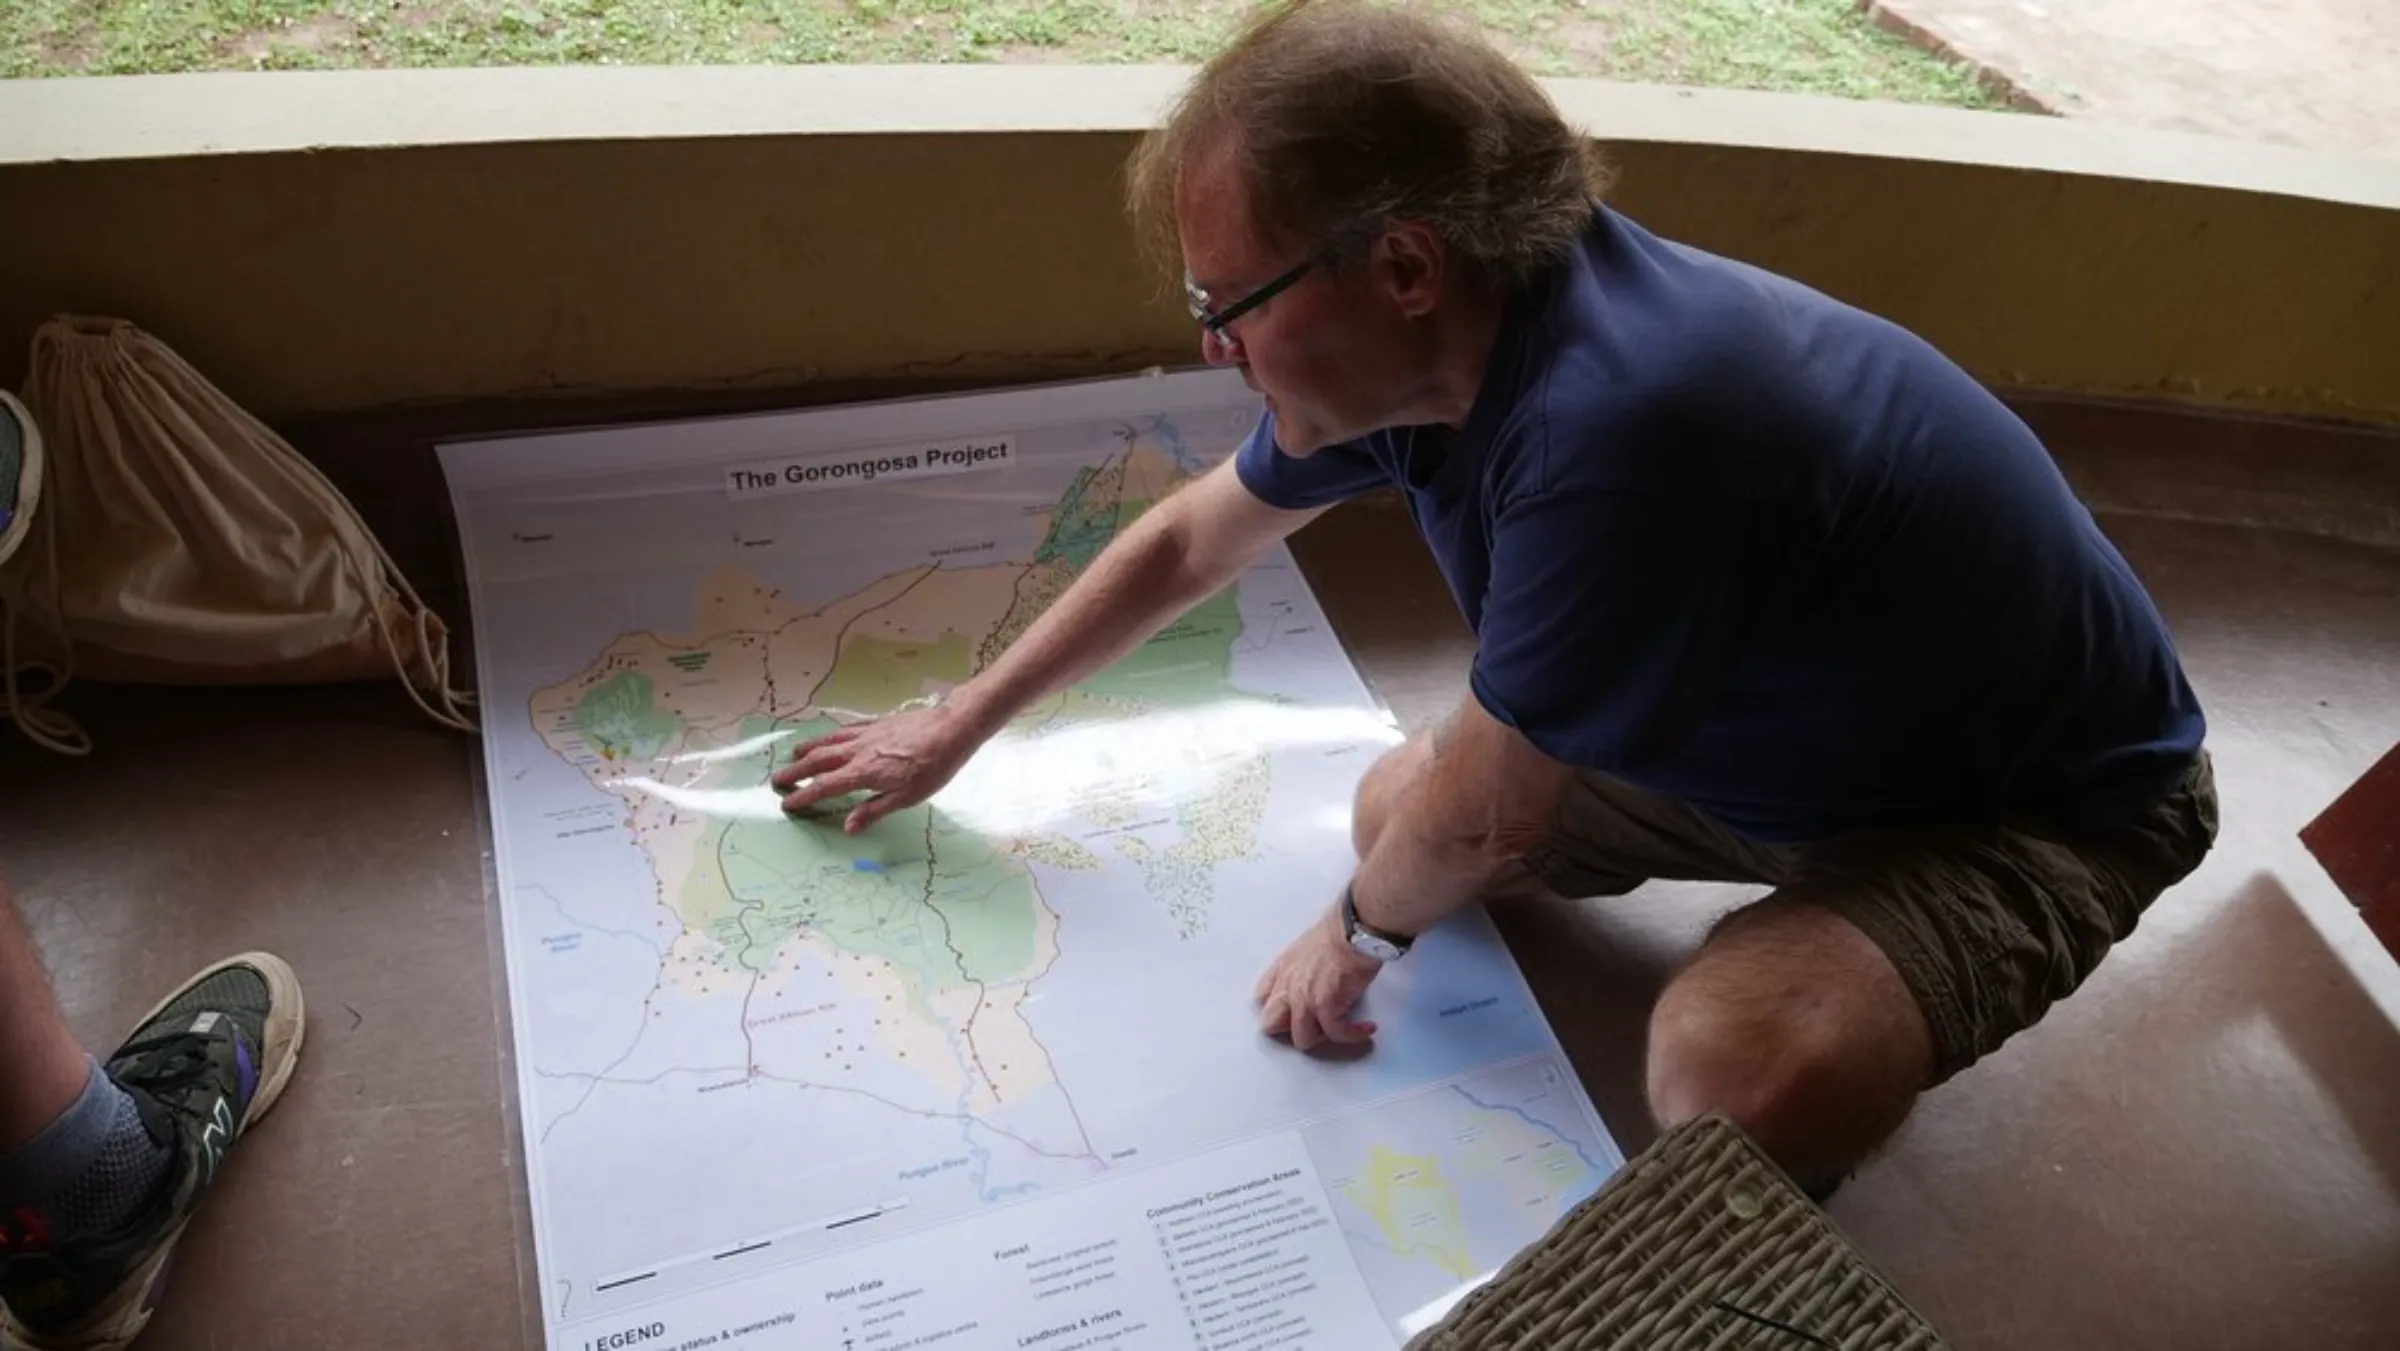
20	472
202	1068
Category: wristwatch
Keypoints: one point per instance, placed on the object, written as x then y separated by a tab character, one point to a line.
1374	942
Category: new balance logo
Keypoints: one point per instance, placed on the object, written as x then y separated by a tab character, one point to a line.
214	1137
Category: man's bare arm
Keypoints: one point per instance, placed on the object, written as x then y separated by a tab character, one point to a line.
1483	798
1476	800
1176	555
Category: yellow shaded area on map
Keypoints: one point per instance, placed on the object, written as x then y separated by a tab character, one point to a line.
1414	1205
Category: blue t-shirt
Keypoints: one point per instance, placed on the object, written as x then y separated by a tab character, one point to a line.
1730	540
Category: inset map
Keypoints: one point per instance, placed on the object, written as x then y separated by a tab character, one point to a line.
1437	1190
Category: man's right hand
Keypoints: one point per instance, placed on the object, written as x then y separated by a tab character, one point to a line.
902	760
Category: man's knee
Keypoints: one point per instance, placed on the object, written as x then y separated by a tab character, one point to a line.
1795	1027
1715	1048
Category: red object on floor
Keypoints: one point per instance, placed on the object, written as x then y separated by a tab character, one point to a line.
2357	839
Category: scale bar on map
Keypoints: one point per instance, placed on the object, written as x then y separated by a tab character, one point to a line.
746	1246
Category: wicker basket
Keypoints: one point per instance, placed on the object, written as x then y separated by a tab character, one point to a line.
1701	1241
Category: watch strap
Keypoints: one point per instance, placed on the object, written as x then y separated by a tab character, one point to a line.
1353	925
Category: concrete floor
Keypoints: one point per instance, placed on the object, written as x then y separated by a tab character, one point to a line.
2319	74
2201	1150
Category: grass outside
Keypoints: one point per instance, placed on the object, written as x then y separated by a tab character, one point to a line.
1813	46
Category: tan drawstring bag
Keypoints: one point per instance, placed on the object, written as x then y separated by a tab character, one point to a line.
179	541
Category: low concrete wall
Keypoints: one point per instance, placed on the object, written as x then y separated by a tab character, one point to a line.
327	242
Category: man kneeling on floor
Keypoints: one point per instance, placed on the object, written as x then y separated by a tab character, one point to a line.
1764	589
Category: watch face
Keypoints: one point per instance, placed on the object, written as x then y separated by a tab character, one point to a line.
1379	949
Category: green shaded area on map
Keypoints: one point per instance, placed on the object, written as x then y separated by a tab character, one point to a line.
1093	510
959	915
1085	519
1037	590
1188	661
618	720
935	900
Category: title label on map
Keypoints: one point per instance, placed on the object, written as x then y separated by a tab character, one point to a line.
770	478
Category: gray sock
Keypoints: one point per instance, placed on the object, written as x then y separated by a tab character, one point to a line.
90	1170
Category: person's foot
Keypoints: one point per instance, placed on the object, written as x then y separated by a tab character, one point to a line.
202	1068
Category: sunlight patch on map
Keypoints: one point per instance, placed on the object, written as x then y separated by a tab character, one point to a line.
1152	760
1026	781
717	754
759	803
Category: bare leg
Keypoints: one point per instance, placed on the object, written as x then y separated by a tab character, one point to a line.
1794	1024
1790	1020
103	1164
42	1067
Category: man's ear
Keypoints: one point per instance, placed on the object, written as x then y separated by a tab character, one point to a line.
1410	261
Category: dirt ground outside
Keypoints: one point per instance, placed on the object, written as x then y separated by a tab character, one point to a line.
1812	46
2316	74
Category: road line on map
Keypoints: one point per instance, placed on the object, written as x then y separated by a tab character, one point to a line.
827	1225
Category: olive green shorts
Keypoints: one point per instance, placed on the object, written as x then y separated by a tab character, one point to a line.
1987	926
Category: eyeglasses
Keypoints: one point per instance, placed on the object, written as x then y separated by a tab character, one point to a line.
1215	321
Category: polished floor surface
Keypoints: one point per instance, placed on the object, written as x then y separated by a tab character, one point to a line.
2200	1150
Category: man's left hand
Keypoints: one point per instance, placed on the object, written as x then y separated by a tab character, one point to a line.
1312	987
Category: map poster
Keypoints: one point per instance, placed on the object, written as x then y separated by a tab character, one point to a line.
987	1074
